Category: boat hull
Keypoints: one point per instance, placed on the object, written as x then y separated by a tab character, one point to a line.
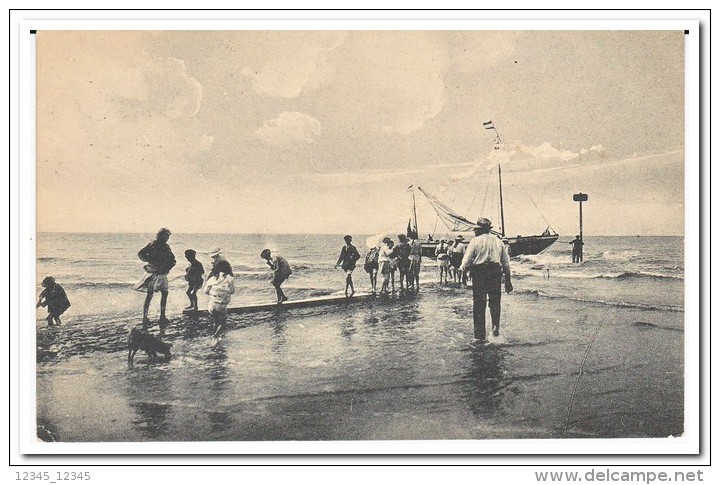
517	246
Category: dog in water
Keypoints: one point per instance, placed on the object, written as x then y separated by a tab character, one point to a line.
140	339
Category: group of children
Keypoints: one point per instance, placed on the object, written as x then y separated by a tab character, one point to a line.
159	259
387	258
449	256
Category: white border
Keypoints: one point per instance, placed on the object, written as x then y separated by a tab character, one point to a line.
308	20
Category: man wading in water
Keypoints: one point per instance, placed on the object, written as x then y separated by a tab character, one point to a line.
487	259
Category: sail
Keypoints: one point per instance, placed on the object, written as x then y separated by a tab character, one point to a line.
454	221
412	232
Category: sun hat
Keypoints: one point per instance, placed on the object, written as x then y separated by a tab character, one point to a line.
459	238
483	221
215	252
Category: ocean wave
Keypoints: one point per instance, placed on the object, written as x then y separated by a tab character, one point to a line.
570	274
642	274
597	301
625	255
99	285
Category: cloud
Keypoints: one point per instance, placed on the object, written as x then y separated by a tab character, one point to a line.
289	128
472	52
546	151
287	63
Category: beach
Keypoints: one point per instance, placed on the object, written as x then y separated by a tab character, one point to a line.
593	351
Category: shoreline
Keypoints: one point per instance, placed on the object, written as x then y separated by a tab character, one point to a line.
405	371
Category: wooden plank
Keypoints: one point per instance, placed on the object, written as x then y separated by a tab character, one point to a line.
290	304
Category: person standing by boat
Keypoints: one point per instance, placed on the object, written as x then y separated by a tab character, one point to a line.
577	249
160	260
349	255
415	257
281	272
487	260
401	252
456	253
442	260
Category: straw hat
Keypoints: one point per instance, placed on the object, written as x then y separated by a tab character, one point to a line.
483	221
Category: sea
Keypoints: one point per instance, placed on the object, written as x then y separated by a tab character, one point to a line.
591	350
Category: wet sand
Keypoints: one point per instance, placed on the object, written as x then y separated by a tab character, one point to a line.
400	368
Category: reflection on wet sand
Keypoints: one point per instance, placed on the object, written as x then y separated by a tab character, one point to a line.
483	381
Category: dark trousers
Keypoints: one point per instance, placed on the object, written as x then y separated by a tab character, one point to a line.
486	281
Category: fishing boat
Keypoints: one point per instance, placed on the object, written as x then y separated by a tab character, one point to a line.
517	245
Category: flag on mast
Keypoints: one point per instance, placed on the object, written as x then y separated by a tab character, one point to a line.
488	125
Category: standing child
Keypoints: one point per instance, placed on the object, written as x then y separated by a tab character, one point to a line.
220	287
348	257
371	267
194	276
53	297
281	272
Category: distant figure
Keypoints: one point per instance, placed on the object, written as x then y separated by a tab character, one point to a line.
413	275
371	267
486	259
430	238
443	261
220	287
218	263
577	249
384	263
349	255
55	299
456	253
160	260
194	276
401	253
281	270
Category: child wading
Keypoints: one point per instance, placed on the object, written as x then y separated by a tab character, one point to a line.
281	272
371	267
194	277
220	287
55	299
349	255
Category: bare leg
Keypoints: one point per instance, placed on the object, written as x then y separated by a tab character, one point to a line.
350	284
163	304
146	307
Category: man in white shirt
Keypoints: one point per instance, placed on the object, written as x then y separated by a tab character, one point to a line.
486	258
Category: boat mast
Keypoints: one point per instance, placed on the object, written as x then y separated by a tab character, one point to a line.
417	230
502	213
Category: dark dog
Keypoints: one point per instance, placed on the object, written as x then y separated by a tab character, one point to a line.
143	340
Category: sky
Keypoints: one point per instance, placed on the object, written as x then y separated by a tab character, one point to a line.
324	131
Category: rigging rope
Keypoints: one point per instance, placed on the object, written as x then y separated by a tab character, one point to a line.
529	197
